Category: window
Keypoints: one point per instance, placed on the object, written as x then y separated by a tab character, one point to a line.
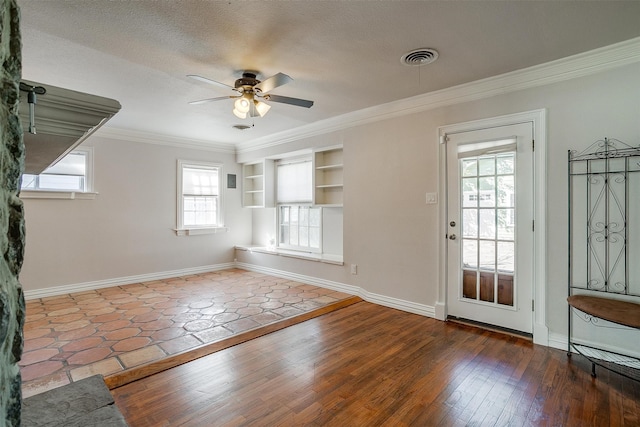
300	228
299	223
199	198
70	174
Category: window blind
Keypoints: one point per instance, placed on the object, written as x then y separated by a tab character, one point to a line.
200	182
481	148
294	182
73	164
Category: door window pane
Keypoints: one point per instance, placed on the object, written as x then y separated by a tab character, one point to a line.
506	191
487	192
506	224
505	163
470	253
487	255
469	167
470	222
506	258
488	228
469	192
487	224
486	166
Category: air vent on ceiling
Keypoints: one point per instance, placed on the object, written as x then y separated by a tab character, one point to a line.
419	57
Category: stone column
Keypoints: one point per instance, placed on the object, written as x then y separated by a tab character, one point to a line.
12	309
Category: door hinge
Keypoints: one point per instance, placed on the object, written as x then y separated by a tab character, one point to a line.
533	145
533	225
533	305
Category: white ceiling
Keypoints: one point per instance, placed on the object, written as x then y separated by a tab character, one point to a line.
344	55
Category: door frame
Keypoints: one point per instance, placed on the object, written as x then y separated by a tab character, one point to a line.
538	119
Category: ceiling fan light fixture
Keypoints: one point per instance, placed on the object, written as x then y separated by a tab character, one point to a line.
239	114
243	104
261	107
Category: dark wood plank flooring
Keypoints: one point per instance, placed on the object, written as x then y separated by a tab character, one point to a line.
367	365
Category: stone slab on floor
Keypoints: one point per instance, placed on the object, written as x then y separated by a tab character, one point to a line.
85	403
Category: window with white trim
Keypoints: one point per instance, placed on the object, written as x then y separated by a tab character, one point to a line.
70	174
199	195
299	223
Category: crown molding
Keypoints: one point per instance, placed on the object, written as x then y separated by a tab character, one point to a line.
583	64
158	139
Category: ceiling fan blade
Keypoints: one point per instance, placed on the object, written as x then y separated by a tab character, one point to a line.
273	82
209	81
202	101
292	101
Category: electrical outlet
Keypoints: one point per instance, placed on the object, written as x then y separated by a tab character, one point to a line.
354	269
432	198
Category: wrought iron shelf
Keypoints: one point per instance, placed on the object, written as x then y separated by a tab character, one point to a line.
604	244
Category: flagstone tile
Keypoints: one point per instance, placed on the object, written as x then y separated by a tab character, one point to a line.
103	367
83	344
40	369
144	355
35	356
180	344
36	343
91	355
73	336
130	344
120	334
213	334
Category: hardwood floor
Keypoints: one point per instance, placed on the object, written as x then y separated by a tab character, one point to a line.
367	365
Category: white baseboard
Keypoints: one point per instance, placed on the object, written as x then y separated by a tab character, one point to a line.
384	300
561	342
540	334
119	281
558	341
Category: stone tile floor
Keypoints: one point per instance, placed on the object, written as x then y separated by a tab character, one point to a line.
74	336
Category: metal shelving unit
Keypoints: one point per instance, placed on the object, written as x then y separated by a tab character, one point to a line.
604	251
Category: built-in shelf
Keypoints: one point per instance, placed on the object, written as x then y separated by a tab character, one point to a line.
257	184
328	177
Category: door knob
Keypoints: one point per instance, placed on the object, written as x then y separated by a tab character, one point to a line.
452	237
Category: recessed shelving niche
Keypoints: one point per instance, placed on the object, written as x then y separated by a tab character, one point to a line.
257	183
328	177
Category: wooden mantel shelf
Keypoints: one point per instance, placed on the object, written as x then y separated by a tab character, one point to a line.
616	311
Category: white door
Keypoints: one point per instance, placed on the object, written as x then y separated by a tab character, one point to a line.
490	226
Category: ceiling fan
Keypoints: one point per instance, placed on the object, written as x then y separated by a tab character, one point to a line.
252	92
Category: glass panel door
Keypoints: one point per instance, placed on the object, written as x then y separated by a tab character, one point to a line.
490	239
488	222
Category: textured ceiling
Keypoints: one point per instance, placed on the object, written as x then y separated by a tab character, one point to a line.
344	55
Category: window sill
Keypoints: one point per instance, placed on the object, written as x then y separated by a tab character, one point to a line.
197	231
64	195
325	258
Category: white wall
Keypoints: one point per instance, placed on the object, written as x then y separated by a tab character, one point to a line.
128	229
389	231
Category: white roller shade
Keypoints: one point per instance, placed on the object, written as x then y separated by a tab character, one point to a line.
73	164
294	182
200	182
475	149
